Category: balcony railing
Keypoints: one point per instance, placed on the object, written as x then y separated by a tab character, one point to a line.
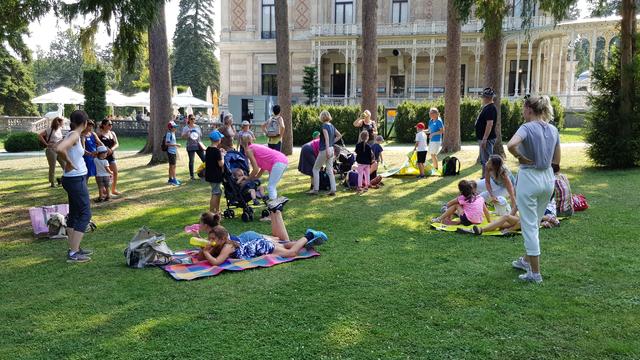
424	27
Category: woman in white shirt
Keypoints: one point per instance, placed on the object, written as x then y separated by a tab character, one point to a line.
50	138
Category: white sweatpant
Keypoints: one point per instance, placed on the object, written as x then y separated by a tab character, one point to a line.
275	175
533	191
326	160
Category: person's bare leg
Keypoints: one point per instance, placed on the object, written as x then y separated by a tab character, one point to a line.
503	222
75	237
278	229
114	168
450	211
421	168
280	250
434	161
534	261
214	204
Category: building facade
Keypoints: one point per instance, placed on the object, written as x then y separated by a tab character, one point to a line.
411	52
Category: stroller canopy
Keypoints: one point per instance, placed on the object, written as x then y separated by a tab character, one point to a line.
236	160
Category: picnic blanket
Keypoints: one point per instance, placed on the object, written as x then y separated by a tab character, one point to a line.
462	228
204	269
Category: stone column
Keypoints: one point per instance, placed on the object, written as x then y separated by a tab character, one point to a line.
414	58
572	68
550	71
561	41
346	71
516	91
606	50
318	69
539	67
354	69
592	53
504	62
529	52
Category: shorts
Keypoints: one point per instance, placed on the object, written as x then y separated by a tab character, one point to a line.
464	220
103	181
215	188
172	158
434	147
111	159
277	146
422	157
252	185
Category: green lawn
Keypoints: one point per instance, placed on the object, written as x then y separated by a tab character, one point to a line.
385	286
572	135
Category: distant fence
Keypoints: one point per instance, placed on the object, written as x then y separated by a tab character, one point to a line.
141	128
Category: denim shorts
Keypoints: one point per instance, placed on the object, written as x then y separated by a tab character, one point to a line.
215	188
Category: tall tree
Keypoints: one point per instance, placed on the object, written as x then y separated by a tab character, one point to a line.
370	57
194	61
451	141
627	71
284	72
16	86
62	64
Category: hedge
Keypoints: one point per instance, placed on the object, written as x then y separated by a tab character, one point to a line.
306	119
95	87
22	141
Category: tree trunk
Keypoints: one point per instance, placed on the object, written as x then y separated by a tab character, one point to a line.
160	88
284	73
627	38
370	57
493	77
451	141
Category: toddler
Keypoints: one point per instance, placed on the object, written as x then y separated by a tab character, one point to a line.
248	186
469	206
421	148
103	174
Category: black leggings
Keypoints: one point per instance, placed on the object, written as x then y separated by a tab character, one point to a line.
191	157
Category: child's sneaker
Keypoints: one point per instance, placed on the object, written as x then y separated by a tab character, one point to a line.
315	237
530	276
77	258
521	264
177	182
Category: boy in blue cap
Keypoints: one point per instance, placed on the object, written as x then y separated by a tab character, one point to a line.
172	152
214	169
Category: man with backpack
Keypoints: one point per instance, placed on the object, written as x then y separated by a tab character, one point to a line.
486	126
274	129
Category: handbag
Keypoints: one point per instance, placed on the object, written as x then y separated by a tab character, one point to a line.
40	215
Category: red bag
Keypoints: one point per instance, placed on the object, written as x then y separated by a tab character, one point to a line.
579	202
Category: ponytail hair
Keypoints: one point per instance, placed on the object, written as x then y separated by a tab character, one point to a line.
541	106
56	123
467	189
246	140
78	118
210	219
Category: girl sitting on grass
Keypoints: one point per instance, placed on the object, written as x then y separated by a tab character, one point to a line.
469	206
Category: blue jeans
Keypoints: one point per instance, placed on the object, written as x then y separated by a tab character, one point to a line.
79	203
486	152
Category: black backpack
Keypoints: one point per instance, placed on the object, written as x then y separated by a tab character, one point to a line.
450	166
164	146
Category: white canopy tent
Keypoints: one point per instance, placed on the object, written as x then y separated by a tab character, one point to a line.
186	100
60	96
140	99
116	99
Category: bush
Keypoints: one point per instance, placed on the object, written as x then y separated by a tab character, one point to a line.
410	113
22	141
614	137
469	110
306	119
95	88
558	112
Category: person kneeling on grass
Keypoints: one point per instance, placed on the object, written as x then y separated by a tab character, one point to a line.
251	244
469	206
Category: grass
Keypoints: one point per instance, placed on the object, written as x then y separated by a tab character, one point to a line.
572	135
386	286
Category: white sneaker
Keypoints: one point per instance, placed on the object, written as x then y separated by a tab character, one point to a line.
521	264
531	277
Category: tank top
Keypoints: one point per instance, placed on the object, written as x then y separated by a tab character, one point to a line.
266	157
369	128
500	182
75	155
107	141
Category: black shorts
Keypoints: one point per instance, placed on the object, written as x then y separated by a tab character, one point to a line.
464	220
422	157
172	158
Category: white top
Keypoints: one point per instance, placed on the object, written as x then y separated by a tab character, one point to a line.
421	139
53	136
75	154
101	167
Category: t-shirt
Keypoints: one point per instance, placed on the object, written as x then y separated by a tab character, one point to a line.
315	145
421	139
171	139
489	113
364	155
212	170
377	150
101	166
266	157
194	136
539	140
242	133
474	210
331	131
435	126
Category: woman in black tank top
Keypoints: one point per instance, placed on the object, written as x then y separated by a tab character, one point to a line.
110	140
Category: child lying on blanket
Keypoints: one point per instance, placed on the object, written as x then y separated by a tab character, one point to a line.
251	244
508	224
249	187
469	206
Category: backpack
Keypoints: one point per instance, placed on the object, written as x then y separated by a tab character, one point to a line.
147	248
325	183
164	146
579	202
273	127
450	166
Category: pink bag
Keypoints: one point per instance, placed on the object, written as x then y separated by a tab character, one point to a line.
40	215
579	202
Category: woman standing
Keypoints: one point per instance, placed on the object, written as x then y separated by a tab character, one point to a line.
110	140
364	123
263	158
90	142
229	133
193	134
328	137
75	184
536	145
50	138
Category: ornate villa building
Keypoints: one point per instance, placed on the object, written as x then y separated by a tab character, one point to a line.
411	53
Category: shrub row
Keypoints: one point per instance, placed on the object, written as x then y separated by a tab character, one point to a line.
22	141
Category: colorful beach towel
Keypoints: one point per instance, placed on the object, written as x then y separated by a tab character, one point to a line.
204	269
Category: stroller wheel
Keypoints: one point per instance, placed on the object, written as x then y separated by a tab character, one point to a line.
249	210
265	213
225	214
232	214
245	217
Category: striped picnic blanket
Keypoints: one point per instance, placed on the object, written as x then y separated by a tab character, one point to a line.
204	269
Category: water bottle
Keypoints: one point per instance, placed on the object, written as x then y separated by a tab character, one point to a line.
196	241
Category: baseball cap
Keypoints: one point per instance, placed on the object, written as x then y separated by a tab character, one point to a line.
420	126
245	122
172	125
488	92
215	135
315	133
102	149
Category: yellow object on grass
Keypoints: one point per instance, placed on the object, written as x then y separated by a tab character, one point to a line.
408	168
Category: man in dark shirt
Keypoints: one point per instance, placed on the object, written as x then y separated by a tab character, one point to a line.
486	126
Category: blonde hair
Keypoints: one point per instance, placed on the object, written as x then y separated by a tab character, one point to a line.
367	113
434	110
541	106
325	116
364	136
245	140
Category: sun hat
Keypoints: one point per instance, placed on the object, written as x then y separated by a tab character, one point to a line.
215	135
315	134
102	149
420	126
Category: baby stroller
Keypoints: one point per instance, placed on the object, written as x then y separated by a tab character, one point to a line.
232	191
344	160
